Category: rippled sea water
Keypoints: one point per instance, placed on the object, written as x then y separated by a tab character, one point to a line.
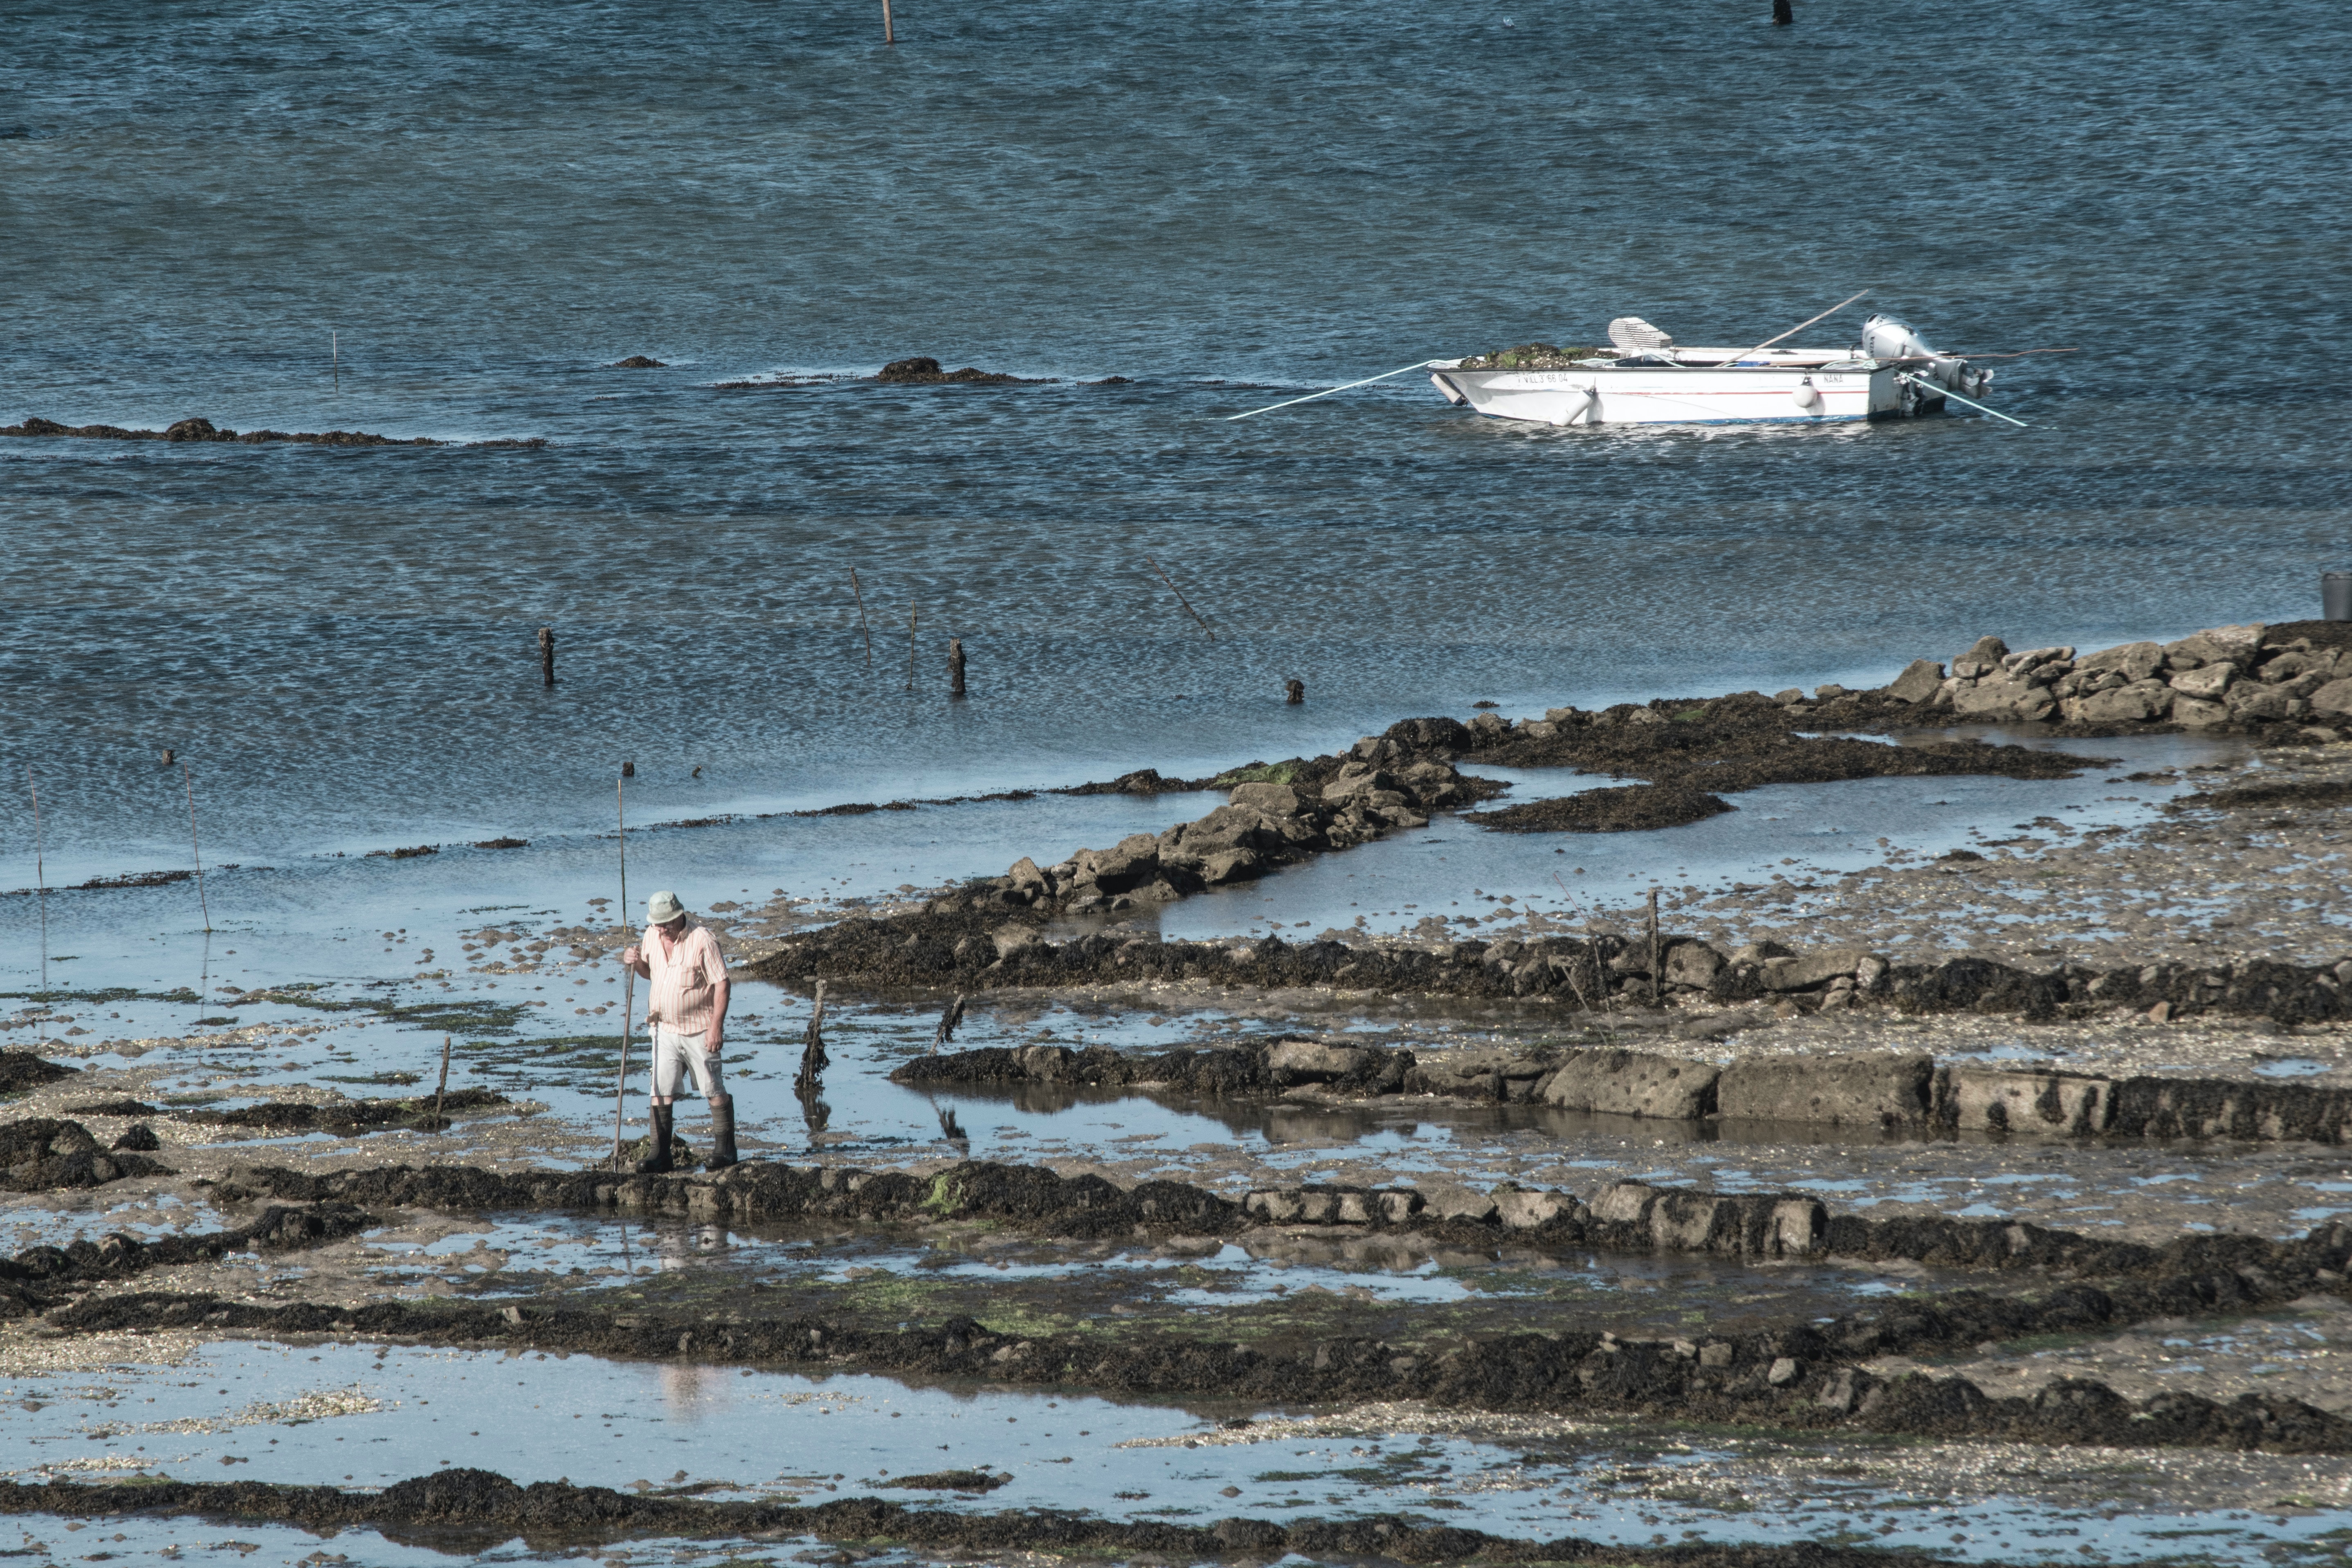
1220	202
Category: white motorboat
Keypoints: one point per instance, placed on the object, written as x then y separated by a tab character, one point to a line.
1643	378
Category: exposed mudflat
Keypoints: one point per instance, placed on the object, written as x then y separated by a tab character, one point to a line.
1171	1208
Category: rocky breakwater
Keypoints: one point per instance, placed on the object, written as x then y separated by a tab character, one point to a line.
978	943
1813	1373
1875	1092
188	430
1297	809
2252	676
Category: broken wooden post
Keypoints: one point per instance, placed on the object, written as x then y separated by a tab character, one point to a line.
955	667
441	1089
1294	692
950	1017
1783	12
547	656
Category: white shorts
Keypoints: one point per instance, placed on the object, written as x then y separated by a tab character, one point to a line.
674	1048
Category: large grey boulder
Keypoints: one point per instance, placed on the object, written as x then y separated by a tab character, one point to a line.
1311	1061
1918	682
1693	963
1982	658
1358	778
1134	862
2133	661
2195	715
1631	1083
1803	974
2241	645
1230	834
1989	1099
2207	682
1272	799
2004	696
1863	1088
2332	699
2038	666
2252	700
2140	700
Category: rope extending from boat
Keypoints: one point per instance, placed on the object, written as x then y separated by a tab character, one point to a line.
1408	369
1936	389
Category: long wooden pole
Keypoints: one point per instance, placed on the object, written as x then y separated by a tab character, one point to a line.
887	35
196	850
861	617
1799	327
914	614
628	972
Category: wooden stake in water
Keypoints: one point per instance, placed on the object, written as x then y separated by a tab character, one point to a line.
914	615
628	972
861	617
950	1017
888	36
955	667
40	878
1183	601
197	850
547	656
441	1089
335	351
809	1081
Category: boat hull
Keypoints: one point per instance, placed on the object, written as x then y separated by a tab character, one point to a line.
1762	395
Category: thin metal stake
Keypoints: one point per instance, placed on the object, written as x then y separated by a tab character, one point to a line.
861	617
190	780
628	972
40	878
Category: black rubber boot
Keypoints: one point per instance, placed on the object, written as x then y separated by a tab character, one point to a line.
722	1134
657	1162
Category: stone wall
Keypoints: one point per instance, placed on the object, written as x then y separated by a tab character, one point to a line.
2225	675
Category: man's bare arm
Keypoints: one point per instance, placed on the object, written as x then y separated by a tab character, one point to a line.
719	995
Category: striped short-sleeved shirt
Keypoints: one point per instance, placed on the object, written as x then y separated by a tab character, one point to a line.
685	978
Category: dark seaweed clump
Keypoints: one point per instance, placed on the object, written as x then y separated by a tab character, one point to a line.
1626	808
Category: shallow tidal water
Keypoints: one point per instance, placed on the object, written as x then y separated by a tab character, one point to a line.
347	1414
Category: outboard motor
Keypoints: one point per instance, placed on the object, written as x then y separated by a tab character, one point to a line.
1885	338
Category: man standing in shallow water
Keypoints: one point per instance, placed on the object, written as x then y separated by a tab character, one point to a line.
686	1011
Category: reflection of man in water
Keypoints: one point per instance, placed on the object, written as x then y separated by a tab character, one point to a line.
686	1011
682	1389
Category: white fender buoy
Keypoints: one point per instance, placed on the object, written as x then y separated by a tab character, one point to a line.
1453	392
1807	397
